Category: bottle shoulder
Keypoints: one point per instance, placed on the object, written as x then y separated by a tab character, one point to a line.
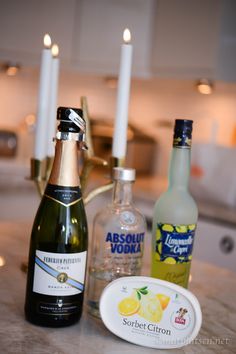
122	217
176	206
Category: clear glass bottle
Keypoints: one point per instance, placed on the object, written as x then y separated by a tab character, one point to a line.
175	214
118	239
59	238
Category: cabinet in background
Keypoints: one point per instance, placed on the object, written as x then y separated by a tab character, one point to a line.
24	23
171	38
215	243
186	38
99	27
227	54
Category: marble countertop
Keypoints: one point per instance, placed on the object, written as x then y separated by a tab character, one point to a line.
214	287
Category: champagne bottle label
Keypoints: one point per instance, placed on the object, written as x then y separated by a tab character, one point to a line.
63	195
174	243
59	274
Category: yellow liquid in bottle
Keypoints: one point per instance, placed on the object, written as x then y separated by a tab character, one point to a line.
174	223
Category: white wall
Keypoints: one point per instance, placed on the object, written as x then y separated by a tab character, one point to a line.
152	101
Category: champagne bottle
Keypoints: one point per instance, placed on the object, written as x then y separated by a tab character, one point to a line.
59	240
175	214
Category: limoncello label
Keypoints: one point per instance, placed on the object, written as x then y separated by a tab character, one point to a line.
59	274
174	243
63	195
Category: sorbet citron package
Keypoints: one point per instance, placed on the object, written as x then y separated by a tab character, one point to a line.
150	312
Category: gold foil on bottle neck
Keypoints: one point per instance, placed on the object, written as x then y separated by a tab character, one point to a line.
65	171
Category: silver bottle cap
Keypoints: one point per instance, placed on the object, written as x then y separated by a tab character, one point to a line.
123	174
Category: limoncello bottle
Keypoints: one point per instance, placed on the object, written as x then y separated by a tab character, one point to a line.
175	214
59	239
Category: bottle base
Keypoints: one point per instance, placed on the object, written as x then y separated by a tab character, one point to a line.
93	308
57	321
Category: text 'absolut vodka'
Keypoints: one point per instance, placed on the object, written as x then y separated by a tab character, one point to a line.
122	243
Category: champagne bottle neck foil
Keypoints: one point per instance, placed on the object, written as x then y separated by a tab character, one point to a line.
65	171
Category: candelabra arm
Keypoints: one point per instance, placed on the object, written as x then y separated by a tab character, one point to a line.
114	162
90	160
89	153
99	190
88	166
37	173
49	163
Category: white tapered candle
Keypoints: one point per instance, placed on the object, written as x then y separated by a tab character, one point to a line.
43	99
121	120
51	129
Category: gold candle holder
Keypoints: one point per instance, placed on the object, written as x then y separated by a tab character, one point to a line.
39	172
40	169
114	162
91	161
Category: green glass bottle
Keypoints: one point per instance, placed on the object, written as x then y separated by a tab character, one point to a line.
59	239
175	214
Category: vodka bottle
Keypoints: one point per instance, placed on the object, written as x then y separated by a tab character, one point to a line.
118	239
175	214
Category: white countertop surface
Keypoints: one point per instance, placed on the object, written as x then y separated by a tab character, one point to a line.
214	287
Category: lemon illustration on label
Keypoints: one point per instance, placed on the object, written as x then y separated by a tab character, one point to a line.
167	227
164	300
181	228
157	256
128	306
158	234
170	260
160	248
191	227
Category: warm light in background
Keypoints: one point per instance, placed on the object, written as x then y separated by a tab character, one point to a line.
30	119
55	50
47	41
205	86
2	261
111	82
12	69
126	35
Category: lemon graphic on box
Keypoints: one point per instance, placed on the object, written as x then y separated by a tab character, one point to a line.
144	303
164	300
128	306
150	306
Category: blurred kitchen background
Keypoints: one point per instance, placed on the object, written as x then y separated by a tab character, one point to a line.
176	44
